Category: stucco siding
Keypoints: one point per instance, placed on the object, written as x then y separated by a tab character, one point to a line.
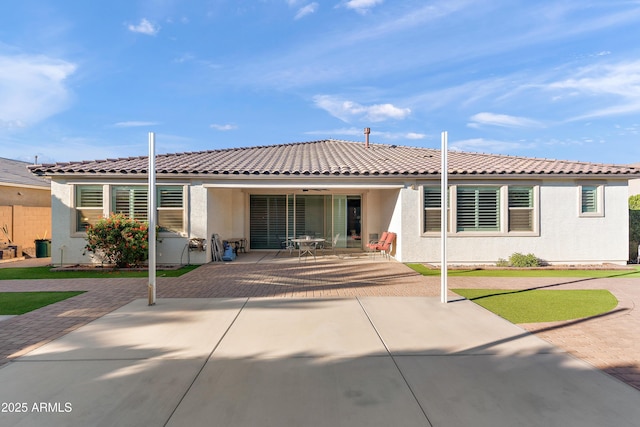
564	236
67	245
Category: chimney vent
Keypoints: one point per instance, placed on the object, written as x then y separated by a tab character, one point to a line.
367	131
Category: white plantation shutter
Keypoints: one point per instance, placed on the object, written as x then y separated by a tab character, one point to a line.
130	201
170	208
432	217
88	205
520	208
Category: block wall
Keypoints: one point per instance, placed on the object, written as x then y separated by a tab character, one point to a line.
25	224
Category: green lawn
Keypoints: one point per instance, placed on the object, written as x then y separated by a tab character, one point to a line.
23	302
473	272
532	306
46	273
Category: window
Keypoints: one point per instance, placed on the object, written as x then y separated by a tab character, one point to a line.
170	208
478	209
132	201
432	217
88	206
520	208
591	200
502	209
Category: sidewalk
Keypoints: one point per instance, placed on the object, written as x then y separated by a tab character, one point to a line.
365	361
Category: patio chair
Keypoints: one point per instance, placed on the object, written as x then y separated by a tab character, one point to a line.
374	244
307	248
385	248
331	245
286	244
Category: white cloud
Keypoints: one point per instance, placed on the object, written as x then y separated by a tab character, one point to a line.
361	6
502	120
381	112
414	135
621	79
307	10
358	134
352	131
32	88
223	128
617	85
144	27
348	110
133	124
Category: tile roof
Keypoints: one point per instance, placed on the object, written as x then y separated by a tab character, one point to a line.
331	158
15	172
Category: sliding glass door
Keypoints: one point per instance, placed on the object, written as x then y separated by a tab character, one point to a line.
275	218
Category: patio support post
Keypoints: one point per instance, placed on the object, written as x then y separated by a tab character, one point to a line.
444	196
152	218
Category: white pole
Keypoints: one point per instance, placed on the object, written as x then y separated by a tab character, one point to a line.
152	218
444	193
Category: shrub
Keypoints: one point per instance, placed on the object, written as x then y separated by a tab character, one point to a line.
119	240
634	225
634	202
518	260
502	263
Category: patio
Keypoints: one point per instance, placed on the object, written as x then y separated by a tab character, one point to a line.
610	342
279	274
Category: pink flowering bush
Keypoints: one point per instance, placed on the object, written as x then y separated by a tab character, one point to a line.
119	240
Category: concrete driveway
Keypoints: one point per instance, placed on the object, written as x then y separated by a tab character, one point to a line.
363	361
351	341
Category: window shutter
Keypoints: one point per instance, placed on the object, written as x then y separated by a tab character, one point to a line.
589	199
520	208
478	209
89	196
170	208
88	206
432	200
131	201
170	197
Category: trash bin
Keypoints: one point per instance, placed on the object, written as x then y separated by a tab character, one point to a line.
43	248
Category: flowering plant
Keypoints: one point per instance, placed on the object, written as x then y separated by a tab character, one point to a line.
119	240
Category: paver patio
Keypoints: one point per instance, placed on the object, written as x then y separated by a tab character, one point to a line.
610	342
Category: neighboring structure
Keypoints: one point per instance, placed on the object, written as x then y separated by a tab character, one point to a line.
25	205
563	212
634	184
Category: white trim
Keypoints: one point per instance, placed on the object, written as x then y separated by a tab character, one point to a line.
503	212
599	200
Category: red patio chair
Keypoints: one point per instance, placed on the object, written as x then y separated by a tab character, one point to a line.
374	244
385	248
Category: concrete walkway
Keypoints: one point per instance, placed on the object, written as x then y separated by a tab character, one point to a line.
363	361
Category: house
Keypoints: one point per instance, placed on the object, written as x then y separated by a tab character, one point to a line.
563	212
25	206
634	184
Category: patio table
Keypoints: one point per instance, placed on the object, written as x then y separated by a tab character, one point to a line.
307	246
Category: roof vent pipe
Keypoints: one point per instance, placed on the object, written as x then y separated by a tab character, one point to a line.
367	131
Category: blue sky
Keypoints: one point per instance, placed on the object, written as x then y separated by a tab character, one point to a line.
82	80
